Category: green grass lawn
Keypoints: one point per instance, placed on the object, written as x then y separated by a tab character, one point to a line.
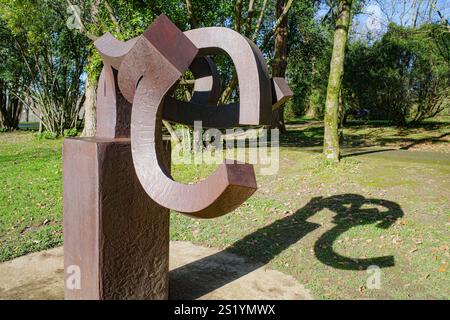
322	223
30	196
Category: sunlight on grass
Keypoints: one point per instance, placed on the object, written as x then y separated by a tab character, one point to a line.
301	221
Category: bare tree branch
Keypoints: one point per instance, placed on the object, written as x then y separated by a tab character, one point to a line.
250	14
260	21
83	29
238	15
277	23
113	18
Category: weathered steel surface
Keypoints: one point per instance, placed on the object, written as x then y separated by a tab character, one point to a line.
255	95
181	112
207	81
161	41
117	191
114	233
147	73
220	193
113	110
281	92
256	89
113	51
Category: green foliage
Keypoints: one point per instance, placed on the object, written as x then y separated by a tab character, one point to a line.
290	113
309	59
46	135
404	77
13	79
57	87
50	57
71	132
128	19
43	61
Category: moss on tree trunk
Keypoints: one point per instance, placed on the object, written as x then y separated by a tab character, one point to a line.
331	139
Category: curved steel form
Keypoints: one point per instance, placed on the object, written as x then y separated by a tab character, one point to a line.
145	70
207	81
113	51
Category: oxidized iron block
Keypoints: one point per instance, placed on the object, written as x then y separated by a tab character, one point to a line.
113	232
113	110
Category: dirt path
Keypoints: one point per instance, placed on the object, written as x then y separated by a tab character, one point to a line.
197	273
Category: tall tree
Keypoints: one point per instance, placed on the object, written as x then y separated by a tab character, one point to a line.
13	77
310	47
404	77
90	110
279	64
54	58
331	148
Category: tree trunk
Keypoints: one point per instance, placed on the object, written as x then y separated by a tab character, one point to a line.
90	116
10	108
192	19
1	104
312	109
15	113
331	121
280	61
312	112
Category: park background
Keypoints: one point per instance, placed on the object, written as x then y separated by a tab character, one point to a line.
382	198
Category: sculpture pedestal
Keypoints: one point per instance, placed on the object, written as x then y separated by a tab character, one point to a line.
116	239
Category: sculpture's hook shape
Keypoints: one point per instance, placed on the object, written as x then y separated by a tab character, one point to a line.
113	51
146	75
149	67
207	81
258	94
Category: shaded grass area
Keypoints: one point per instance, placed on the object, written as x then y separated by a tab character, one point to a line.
428	136
322	223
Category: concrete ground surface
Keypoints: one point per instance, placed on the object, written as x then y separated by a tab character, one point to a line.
196	273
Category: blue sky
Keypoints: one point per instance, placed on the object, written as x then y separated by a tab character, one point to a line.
378	13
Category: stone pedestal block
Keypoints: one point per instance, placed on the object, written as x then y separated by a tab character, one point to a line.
116	239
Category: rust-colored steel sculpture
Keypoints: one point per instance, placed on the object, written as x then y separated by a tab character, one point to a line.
133	98
151	65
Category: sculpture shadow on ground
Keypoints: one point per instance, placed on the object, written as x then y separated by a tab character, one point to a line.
203	276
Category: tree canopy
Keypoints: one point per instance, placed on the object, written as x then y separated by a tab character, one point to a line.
47	54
